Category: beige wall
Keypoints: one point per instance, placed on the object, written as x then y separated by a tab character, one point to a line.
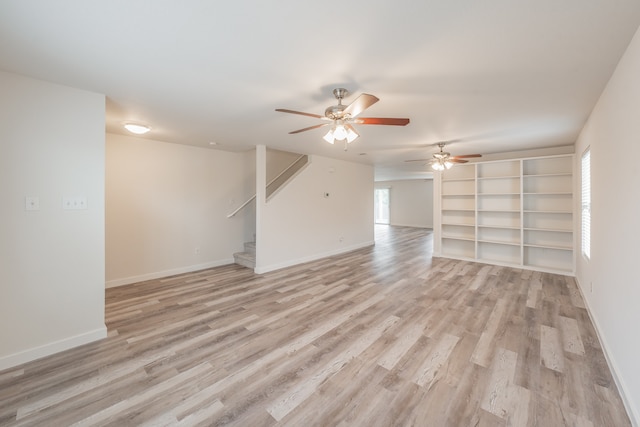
167	206
300	224
609	280
51	260
410	202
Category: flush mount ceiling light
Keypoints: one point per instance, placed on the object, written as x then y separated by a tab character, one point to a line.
137	128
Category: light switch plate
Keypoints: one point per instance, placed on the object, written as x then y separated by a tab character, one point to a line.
74	203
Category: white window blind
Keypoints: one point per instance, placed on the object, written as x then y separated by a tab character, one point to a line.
586	203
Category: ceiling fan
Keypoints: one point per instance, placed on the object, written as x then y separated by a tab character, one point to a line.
443	160
342	117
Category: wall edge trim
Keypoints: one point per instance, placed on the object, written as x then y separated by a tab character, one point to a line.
290	263
28	355
632	412
165	273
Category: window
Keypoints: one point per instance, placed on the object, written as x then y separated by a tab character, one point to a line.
586	203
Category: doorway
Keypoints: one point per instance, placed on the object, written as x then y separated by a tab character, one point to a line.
381	205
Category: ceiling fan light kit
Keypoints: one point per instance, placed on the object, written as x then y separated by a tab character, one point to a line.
340	132
441	165
341	117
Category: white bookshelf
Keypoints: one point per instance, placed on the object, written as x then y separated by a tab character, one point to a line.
499	205
515	212
458	212
548	213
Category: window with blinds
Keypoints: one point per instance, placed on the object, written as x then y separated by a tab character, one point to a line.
586	203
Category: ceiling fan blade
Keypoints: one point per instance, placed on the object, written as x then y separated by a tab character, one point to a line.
382	121
360	104
309	128
454	160
418	160
467	156
284	110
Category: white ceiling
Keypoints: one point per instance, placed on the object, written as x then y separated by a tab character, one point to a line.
492	75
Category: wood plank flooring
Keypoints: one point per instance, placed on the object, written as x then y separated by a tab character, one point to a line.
383	336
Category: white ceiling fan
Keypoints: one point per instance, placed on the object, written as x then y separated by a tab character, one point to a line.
443	160
342	117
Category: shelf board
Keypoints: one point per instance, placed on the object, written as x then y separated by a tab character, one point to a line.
467	239
553	230
458	224
546	268
549	193
547	174
460	194
499	242
515	263
500	177
499	194
549	212
500	227
463	210
457	179
559	248
500	210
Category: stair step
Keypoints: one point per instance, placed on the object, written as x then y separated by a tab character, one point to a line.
250	247
245	259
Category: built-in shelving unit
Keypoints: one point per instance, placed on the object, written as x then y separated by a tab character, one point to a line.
459	212
547	210
510	212
499	218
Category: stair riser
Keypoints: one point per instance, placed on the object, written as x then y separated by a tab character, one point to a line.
245	260
250	247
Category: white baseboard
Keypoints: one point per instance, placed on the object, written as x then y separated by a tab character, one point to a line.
413	225
25	356
272	267
632	411
160	274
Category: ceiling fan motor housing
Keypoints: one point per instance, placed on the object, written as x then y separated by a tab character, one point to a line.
335	112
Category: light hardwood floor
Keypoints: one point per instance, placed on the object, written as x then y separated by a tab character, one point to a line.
383	336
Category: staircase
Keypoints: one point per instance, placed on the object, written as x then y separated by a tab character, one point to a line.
248	257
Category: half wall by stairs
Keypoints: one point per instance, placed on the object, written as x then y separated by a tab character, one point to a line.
247	258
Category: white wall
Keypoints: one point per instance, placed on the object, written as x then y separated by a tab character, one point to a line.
609	281
300	224
410	202
277	161
167	206
51	260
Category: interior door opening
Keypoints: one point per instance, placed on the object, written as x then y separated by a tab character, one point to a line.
381	203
